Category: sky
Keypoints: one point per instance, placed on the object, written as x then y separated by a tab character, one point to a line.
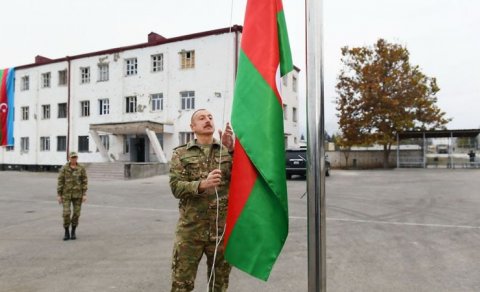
442	37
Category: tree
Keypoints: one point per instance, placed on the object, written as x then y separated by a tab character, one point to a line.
381	94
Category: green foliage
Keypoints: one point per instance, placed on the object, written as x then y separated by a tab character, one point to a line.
381	94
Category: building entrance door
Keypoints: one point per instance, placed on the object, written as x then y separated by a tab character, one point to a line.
137	153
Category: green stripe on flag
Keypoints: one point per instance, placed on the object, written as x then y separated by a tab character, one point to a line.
262	227
259	234
286	63
257	119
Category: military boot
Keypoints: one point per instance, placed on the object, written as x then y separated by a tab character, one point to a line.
73	237
67	234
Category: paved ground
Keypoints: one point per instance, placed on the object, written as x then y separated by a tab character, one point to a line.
400	230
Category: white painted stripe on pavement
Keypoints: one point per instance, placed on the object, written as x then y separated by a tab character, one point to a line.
291	217
394	223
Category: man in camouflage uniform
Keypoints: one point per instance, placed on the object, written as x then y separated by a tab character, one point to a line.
72	190
199	171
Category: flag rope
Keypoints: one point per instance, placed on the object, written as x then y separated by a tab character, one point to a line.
217	239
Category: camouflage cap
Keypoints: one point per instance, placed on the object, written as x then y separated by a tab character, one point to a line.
73	154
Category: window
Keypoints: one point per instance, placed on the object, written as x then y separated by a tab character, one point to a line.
188	99
62	77
185	137
285	80
294	84
25	113
84	75
24	144
46	111
157	63
157	102
285	112
104	106
25	83
61	143
187	59
105	141
85	108
44	143
82	143
103	70
131	66
131	104
62	110
46	80
294	114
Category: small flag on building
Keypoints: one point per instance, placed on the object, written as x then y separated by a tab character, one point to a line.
7	77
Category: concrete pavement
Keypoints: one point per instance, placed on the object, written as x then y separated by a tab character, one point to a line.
399	230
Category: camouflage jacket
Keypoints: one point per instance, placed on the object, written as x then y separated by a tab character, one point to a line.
189	165
72	182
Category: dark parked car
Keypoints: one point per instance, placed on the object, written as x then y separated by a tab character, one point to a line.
296	162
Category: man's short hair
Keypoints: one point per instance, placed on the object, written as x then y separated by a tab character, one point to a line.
195	112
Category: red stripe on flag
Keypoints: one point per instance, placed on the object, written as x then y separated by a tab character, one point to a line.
3	108
260	39
240	187
279	5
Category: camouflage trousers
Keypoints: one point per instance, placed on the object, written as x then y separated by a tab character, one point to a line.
186	257
77	206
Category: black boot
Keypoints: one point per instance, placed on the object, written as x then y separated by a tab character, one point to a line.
67	234
73	237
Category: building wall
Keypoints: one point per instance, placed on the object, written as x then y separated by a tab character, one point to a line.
366	159
291	106
212	80
36	127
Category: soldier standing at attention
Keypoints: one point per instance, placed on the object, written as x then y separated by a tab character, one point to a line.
199	171
71	190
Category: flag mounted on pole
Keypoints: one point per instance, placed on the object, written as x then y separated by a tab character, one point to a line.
7	79
257	218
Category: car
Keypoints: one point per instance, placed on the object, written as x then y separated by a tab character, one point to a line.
327	166
296	162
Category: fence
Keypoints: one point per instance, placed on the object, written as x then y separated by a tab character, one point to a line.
368	159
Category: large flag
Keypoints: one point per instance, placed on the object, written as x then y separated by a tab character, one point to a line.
7	77
257	219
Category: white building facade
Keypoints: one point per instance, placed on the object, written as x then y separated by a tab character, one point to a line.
129	104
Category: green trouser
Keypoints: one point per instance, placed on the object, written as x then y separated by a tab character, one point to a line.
186	257
77	206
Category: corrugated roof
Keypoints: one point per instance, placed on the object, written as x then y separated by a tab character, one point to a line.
235	28
439	133
155	41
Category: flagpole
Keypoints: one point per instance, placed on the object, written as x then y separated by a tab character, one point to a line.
315	140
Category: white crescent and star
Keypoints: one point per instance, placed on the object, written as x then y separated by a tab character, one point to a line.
3	107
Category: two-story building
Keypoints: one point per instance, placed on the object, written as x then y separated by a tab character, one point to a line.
129	104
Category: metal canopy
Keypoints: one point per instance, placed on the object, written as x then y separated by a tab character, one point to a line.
421	161
128	128
439	134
